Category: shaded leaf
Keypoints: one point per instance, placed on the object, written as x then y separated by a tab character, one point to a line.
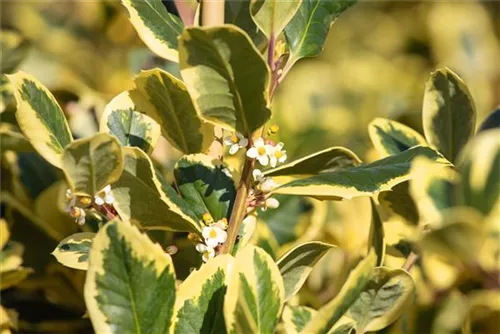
14	49
165	99
200	298
157	28
238	14
364	180
332	312
139	184
296	265
449	114
73	251
306	33
383	299
13	277
271	16
226	76
398	202
13	140
204	185
92	163
491	122
130	285
129	126
255	293
377	237
391	137
328	160
40	118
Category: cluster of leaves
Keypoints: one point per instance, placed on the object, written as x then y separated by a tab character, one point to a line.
442	187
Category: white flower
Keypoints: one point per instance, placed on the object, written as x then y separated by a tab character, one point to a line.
79	215
71	199
271	203
277	155
260	151
214	235
269	185
222	224
236	141
208	252
258	175
104	196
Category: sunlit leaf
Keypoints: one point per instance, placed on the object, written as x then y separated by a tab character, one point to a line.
139	184
255	293
306	33
73	251
165	99
479	166
130	127
363	180
449	114
157	27
40	117
328	160
200	298
204	185
391	137
332	312
296	265
92	163
226	76
382	300
271	16
130	285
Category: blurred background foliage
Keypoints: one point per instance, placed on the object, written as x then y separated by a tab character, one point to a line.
376	61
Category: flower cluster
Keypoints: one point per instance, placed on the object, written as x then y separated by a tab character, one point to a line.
266	153
76	205
214	235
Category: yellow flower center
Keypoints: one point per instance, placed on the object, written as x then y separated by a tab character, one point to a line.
261	150
212	234
278	154
85	200
207	218
274	128
235	139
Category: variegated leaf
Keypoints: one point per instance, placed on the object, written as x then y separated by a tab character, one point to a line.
296	265
329	315
255	294
398	202
449	113
92	163
205	186
376	237
328	160
226	76
382	301
165	99
295	318
391	137
40	118
157	27
130	285
139	184
479	166
364	180
129	126
73	251
200	298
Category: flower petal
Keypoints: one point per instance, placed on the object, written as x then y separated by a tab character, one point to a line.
98	200
243	142
272	203
227	141
201	248
252	153
273	161
258	142
109	199
234	148
263	160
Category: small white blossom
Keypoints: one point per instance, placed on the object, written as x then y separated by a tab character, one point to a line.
236	141
269	185
277	155
214	235
270	203
104	196
260	151
71	199
207	252
79	215
258	175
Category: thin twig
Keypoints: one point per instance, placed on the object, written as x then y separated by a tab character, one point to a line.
410	261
